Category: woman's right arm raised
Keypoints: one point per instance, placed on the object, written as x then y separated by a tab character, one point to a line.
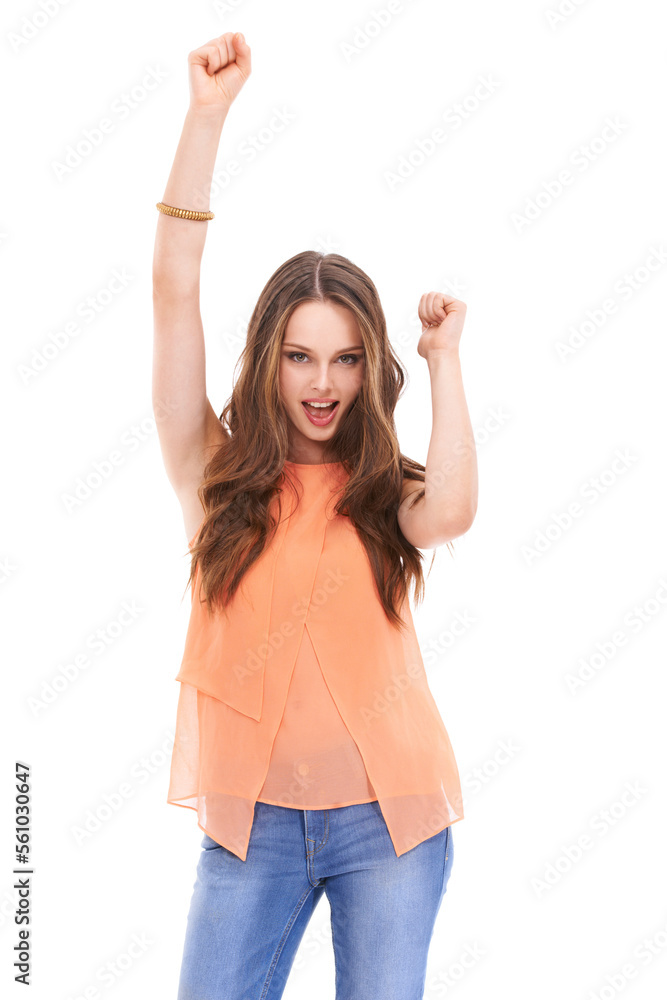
188	428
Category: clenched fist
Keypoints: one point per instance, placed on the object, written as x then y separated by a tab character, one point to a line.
218	70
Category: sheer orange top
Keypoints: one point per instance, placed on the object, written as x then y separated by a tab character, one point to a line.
315	763
303	694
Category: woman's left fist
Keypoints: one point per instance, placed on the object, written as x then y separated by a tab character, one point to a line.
442	317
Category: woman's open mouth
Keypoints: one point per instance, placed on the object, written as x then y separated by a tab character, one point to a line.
321	415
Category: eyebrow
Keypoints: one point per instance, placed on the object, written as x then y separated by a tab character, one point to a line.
347	350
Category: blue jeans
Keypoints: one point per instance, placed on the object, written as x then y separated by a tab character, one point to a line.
246	918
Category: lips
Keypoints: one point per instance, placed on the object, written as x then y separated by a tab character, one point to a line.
321	415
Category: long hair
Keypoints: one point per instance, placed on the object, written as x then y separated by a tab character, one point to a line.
246	472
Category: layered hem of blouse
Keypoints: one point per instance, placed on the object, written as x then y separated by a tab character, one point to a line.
227	816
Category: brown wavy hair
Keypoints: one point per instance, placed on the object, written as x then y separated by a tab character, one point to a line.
246	472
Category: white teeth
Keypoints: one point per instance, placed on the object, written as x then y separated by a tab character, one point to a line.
321	405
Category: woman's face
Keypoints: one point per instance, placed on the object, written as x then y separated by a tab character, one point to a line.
322	358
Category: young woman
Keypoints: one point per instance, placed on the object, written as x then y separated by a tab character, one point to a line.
307	739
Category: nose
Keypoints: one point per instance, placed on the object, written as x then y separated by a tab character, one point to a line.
321	384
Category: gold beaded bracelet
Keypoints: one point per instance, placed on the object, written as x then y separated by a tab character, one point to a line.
184	213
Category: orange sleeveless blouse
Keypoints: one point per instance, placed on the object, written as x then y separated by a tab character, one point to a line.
303	694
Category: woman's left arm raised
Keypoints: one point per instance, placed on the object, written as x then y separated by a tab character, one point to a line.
449	504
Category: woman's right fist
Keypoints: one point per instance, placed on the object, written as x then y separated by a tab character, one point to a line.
218	70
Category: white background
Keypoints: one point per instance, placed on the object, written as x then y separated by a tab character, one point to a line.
519	917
